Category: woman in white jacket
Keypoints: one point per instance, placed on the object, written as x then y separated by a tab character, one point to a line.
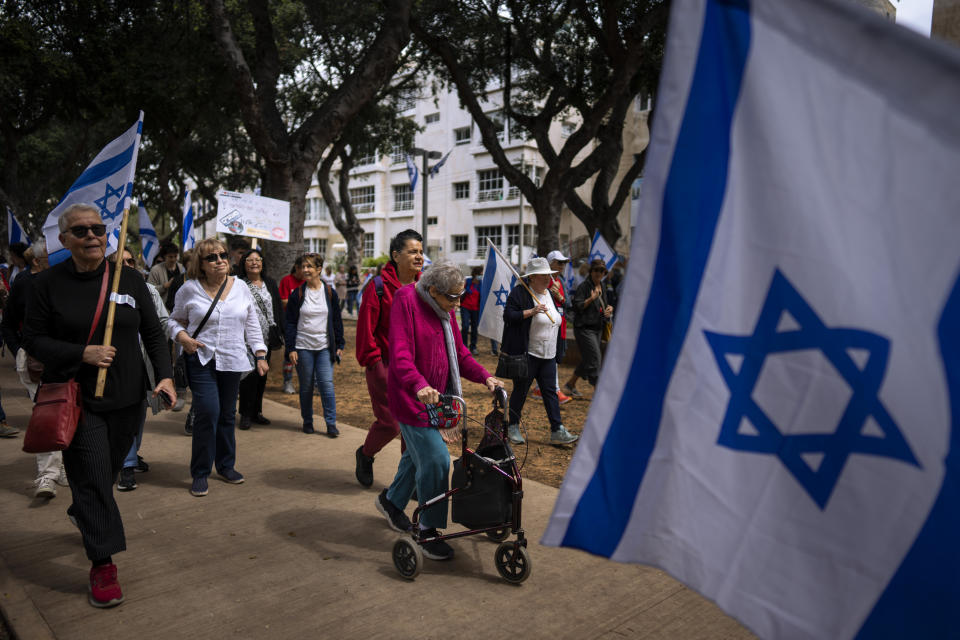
215	337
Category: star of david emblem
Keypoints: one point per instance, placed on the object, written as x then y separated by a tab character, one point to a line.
850	436
596	255
103	203
501	294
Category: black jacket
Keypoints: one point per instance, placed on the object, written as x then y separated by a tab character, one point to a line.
16	310
334	321
60	309
592	316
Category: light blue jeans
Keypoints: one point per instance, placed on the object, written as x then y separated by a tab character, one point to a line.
425	465
131	459
315	366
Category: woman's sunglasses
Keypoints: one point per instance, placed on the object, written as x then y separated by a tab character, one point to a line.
80	231
453	297
130	262
213	257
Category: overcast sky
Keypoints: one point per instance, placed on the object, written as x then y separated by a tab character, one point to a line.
915	14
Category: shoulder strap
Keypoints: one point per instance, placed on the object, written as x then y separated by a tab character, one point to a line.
378	285
213	304
103	296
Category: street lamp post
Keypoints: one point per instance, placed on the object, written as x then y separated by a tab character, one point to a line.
427	156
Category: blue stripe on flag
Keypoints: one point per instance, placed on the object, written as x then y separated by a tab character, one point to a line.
103	170
904	610
693	197
487	283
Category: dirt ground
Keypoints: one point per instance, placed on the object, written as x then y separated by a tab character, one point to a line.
543	462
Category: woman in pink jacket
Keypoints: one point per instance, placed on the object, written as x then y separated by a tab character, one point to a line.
427	358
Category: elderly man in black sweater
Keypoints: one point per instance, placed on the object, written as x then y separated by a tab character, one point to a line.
60	311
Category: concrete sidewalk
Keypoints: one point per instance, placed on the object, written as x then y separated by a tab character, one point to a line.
299	551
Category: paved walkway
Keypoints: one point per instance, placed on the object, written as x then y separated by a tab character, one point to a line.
299	551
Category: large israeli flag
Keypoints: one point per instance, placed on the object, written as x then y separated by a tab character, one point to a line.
106	183
15	231
149	242
600	250
777	423
498	281
187	231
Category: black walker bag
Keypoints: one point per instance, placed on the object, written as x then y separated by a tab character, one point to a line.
488	502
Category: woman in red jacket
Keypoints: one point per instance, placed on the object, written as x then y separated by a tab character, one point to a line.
373	343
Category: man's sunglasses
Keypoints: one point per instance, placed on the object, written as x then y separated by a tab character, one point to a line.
80	231
213	257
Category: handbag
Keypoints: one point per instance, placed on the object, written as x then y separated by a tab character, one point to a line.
58	405
512	367
274	338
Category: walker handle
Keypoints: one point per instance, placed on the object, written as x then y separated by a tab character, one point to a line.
499	398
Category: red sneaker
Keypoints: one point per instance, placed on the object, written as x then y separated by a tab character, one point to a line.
564	399
104	588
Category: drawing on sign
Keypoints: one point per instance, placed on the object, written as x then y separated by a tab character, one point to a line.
233	221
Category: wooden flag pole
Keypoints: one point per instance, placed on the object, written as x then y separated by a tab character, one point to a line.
112	306
519	279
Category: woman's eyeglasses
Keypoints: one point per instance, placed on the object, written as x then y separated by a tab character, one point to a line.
213	257
80	231
254	261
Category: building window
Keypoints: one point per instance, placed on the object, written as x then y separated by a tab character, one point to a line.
402	197
369	245
461	243
489	185
534	173
497	118
461	135
407	99
398	155
431	220
431	118
461	190
365	160
513	235
316	245
363	199
567	128
317	210
643	102
483	233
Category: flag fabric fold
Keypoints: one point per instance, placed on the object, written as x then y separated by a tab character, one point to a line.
777	421
498	281
187	231
600	250
106	183
15	231
435	169
149	242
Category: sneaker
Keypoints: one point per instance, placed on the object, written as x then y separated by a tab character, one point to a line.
396	518
259	419
562	398
435	549
46	488
231	475
474	352
244	423
536	392
142	466
179	404
332	431
6	431
62	477
288	387
199	487
104	588
127	481
364	470
308	428
513	433
562	436
571	391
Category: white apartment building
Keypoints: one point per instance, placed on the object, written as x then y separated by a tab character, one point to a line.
468	200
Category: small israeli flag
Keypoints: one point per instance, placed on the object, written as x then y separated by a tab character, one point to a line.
435	169
498	281
600	250
569	278
15	231
187	232
412	173
106	183
149	243
777	423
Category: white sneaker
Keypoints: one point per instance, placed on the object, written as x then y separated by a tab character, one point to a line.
62	478
46	488
288	387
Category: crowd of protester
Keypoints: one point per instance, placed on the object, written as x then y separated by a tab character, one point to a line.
210	321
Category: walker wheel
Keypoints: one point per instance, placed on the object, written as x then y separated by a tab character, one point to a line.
513	562
407	558
499	535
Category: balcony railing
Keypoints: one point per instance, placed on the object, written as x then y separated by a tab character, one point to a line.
363	208
404	205
490	195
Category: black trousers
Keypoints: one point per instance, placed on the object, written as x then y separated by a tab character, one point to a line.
93	461
251	393
588	340
545	373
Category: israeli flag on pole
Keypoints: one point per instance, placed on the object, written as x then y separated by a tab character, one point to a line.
187	232
149	242
412	173
106	183
569	278
600	249
435	169
15	231
777	423
498	281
